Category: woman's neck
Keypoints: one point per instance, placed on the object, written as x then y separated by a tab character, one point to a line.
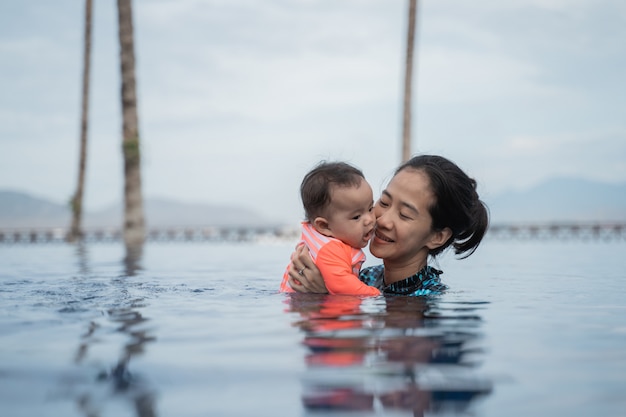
395	272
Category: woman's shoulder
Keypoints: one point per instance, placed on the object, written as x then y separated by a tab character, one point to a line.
425	282
373	275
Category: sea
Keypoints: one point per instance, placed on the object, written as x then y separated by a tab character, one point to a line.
529	327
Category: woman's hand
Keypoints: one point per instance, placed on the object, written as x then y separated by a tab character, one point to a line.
303	274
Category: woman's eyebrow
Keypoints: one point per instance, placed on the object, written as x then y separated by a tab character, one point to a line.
410	207
402	203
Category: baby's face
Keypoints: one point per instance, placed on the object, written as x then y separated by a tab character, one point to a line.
351	215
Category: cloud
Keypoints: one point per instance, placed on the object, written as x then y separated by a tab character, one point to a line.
238	98
598	155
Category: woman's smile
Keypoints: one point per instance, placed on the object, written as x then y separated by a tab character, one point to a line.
382	237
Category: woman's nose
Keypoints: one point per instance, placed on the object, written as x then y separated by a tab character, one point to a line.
381	218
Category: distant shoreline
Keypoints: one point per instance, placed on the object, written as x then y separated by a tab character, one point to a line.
242	233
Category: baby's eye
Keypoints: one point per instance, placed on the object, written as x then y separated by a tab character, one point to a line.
357	217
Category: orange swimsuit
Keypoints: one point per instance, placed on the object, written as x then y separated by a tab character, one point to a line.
339	264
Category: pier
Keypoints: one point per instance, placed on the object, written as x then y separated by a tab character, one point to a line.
559	231
169	234
609	231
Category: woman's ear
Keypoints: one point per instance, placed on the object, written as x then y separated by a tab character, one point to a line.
439	238
322	226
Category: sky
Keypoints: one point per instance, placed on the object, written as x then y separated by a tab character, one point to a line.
238	99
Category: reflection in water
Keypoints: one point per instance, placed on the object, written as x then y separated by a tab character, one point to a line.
82	255
132	260
392	353
127	318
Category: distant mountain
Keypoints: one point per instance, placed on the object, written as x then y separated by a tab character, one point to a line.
23	210
561	199
161	212
19	209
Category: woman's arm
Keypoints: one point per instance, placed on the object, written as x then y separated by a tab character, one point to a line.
310	280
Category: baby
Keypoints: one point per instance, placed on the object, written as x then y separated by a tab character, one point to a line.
338	205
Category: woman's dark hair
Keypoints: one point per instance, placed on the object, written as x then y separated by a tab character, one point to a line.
316	185
457	204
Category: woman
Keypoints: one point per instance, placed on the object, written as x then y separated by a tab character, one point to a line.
429	205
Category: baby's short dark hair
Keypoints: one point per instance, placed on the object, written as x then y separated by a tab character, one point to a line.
316	185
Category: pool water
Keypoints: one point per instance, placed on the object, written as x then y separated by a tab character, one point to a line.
528	328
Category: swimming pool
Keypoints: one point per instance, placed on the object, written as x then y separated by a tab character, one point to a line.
528	328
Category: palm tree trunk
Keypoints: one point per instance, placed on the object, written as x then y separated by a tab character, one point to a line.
134	228
77	200
408	72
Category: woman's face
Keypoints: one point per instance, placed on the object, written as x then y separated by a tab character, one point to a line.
403	223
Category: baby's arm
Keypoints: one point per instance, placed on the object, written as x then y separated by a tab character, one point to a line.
334	262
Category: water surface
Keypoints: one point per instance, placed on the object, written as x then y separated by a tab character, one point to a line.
528	328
